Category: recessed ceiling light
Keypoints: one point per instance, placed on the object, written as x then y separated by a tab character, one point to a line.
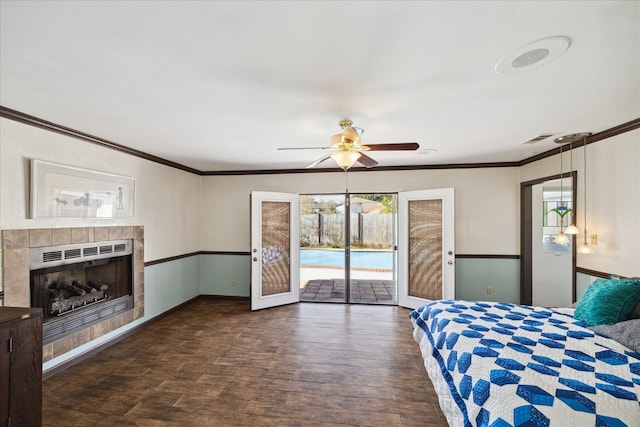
533	55
426	151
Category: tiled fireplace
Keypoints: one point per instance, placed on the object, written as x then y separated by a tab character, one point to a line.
101	315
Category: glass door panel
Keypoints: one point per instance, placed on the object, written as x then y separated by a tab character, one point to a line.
425	249
322	248
372	254
275	248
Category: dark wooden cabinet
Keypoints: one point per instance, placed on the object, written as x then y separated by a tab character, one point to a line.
20	366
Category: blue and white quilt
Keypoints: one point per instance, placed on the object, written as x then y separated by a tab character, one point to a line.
499	364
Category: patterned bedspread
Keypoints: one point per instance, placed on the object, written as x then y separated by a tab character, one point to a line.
498	364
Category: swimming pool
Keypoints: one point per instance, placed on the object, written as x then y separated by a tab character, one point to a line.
335	258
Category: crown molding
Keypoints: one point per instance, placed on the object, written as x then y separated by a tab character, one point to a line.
18	116
607	133
53	127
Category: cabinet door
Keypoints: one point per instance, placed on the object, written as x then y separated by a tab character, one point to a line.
26	373
4	374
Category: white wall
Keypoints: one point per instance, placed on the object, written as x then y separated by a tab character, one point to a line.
167	199
167	204
613	200
487	203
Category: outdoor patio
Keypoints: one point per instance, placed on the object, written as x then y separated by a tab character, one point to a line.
362	291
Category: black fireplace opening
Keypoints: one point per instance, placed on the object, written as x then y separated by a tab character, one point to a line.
67	288
79	285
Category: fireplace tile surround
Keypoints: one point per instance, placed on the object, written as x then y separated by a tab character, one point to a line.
15	275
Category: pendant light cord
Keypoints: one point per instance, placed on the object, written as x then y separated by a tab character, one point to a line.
584	176
561	190
570	174
570	157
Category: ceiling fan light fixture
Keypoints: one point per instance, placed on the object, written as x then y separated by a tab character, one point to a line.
351	136
335	141
345	159
347	147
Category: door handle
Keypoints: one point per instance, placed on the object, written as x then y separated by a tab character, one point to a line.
450	262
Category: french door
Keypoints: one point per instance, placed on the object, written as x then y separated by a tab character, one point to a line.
275	263
426	253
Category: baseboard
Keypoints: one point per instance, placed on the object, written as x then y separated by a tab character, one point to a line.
228	297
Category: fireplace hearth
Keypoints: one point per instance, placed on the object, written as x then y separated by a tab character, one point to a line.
81	284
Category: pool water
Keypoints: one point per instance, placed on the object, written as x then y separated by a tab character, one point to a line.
335	258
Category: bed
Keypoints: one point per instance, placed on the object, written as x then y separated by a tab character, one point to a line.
500	364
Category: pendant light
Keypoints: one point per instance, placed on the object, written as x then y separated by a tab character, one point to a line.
585	247
571	138
561	238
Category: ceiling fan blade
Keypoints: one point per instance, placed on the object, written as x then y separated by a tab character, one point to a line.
366	161
399	146
317	162
303	148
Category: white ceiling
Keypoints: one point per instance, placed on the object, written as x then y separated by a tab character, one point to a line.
219	86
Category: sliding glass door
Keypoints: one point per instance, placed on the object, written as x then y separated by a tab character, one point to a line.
358	269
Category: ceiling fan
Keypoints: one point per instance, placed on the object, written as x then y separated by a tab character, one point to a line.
347	148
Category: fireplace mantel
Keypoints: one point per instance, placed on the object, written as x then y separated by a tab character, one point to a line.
15	275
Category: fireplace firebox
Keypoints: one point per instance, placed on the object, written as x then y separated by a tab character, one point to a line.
80	284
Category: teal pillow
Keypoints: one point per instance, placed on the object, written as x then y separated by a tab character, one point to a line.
606	302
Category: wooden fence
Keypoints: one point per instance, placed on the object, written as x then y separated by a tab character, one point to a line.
327	230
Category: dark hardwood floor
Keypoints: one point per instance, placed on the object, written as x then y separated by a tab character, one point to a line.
215	363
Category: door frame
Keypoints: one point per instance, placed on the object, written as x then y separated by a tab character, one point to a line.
526	238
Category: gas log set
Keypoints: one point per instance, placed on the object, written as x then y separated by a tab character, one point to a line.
80	284
65	296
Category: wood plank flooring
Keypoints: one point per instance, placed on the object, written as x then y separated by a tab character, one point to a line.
215	363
